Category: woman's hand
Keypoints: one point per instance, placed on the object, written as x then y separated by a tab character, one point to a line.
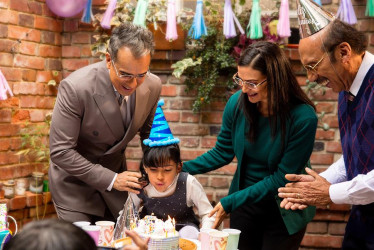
139	242
220	214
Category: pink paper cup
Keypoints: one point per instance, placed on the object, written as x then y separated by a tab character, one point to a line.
94	232
204	237
218	240
106	232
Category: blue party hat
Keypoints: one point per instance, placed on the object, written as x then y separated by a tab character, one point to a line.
160	131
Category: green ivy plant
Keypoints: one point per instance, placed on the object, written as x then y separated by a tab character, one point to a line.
35	144
213	56
205	61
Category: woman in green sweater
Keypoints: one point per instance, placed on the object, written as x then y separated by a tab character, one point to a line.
269	126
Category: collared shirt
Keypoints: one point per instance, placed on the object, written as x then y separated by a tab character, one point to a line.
359	190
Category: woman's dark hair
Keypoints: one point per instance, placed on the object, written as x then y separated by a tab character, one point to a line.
51	234
160	156
283	89
339	32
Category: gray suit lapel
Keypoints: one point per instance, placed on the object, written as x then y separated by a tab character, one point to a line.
106	101
142	96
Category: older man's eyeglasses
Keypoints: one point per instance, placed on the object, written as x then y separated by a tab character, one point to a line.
128	77
313	69
248	84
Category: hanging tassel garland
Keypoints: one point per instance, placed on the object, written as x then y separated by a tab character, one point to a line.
318	2
229	21
4	88
198	27
178	10
87	14
346	13
283	27
171	28
369	8
254	28
140	13
105	22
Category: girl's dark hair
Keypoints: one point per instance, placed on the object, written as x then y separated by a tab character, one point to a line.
283	89
159	157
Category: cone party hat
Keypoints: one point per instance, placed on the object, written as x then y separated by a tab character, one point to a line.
160	131
312	17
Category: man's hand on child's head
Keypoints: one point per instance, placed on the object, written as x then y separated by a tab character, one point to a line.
220	214
128	181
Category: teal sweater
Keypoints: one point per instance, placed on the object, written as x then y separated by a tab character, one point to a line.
231	142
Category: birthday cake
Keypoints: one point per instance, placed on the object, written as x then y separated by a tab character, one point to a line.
162	234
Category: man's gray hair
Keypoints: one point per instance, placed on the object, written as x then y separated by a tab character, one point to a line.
136	38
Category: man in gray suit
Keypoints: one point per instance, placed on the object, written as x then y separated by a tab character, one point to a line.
99	109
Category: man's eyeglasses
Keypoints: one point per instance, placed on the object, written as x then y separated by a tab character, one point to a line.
312	69
248	84
128	77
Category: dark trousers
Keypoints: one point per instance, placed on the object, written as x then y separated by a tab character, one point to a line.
262	227
359	232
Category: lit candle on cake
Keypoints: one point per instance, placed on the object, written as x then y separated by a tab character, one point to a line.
174	225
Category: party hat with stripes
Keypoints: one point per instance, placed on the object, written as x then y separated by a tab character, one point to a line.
160	131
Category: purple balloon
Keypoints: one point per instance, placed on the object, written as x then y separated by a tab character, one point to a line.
66	8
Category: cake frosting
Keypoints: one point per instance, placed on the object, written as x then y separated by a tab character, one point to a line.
162	234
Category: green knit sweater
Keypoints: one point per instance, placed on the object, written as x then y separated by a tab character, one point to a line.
264	172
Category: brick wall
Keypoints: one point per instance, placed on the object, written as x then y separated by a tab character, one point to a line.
34	42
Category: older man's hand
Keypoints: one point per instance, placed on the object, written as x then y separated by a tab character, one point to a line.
311	189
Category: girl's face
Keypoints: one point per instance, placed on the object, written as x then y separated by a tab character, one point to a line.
162	177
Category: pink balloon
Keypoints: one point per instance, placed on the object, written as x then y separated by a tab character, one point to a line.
66	8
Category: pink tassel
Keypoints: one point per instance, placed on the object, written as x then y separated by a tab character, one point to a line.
171	29
283	27
105	22
4	88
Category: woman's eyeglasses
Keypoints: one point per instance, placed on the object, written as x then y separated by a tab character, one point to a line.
248	84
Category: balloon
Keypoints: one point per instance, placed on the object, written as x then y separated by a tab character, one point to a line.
66	8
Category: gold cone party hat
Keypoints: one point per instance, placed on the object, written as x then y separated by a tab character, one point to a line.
312	17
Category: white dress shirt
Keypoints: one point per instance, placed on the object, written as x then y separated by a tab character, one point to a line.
195	197
359	190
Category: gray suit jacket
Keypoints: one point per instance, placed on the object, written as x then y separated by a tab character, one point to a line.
88	140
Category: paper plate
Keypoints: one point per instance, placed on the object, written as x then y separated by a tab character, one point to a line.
187	244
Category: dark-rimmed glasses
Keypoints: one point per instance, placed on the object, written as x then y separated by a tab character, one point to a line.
312	69
248	84
128	77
